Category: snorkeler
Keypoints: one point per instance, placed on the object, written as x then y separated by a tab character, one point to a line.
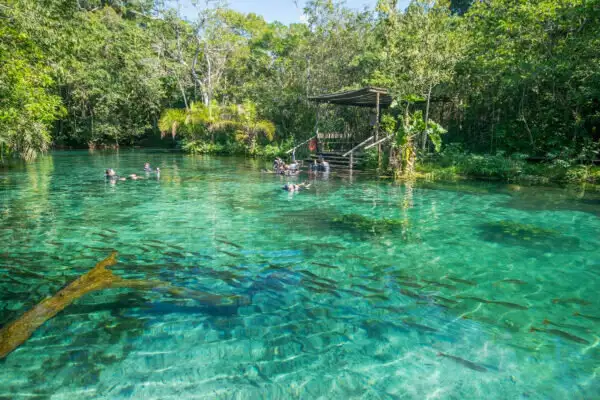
111	175
290	187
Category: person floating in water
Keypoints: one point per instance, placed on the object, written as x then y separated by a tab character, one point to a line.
147	167
290	187
112	175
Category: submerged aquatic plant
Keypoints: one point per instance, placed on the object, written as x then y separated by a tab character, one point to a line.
519	230
363	224
525	235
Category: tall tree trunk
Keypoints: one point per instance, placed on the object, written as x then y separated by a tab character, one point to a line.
183	94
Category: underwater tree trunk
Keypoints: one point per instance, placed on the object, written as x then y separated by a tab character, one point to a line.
99	278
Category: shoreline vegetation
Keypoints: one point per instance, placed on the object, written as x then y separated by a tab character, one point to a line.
477	87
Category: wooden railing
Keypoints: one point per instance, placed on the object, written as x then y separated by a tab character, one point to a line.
358	146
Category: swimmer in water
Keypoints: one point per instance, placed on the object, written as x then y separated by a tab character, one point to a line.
112	175
290	187
147	167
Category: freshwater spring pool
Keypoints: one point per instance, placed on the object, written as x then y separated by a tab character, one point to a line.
355	289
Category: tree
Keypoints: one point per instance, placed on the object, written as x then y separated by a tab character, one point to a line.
27	105
237	122
420	50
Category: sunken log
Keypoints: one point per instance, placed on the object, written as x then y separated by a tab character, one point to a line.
99	278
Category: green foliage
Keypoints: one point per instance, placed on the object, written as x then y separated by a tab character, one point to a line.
27	105
503	78
235	125
455	162
268	151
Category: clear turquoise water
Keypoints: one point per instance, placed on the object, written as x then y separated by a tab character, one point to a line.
353	288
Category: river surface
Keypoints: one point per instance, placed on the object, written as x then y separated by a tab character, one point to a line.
353	289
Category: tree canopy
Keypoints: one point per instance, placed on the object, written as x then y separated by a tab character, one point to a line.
507	76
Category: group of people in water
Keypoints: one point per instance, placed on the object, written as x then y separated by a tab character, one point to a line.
292	169
279	167
111	175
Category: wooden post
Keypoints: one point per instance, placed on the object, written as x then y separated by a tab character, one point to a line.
351	160
377	131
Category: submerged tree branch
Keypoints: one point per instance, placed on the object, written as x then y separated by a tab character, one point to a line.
99	278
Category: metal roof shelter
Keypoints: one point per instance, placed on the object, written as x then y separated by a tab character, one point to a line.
372	97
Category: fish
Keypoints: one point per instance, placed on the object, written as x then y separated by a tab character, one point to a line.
410	284
330	245
513	281
104	235
464	281
325	265
590	317
173	254
419	327
562	334
445	299
110	230
308	273
367	289
176	246
101	248
352	292
394	309
509	305
377	297
320	290
322	285
500	303
229	253
463	362
572	300
409	293
567	326
237	246
154	246
439	284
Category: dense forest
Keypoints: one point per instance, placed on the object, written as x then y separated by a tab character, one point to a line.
494	77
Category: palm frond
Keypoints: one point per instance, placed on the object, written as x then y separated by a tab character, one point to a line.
170	119
265	128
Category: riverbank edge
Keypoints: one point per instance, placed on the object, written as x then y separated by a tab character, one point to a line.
529	174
